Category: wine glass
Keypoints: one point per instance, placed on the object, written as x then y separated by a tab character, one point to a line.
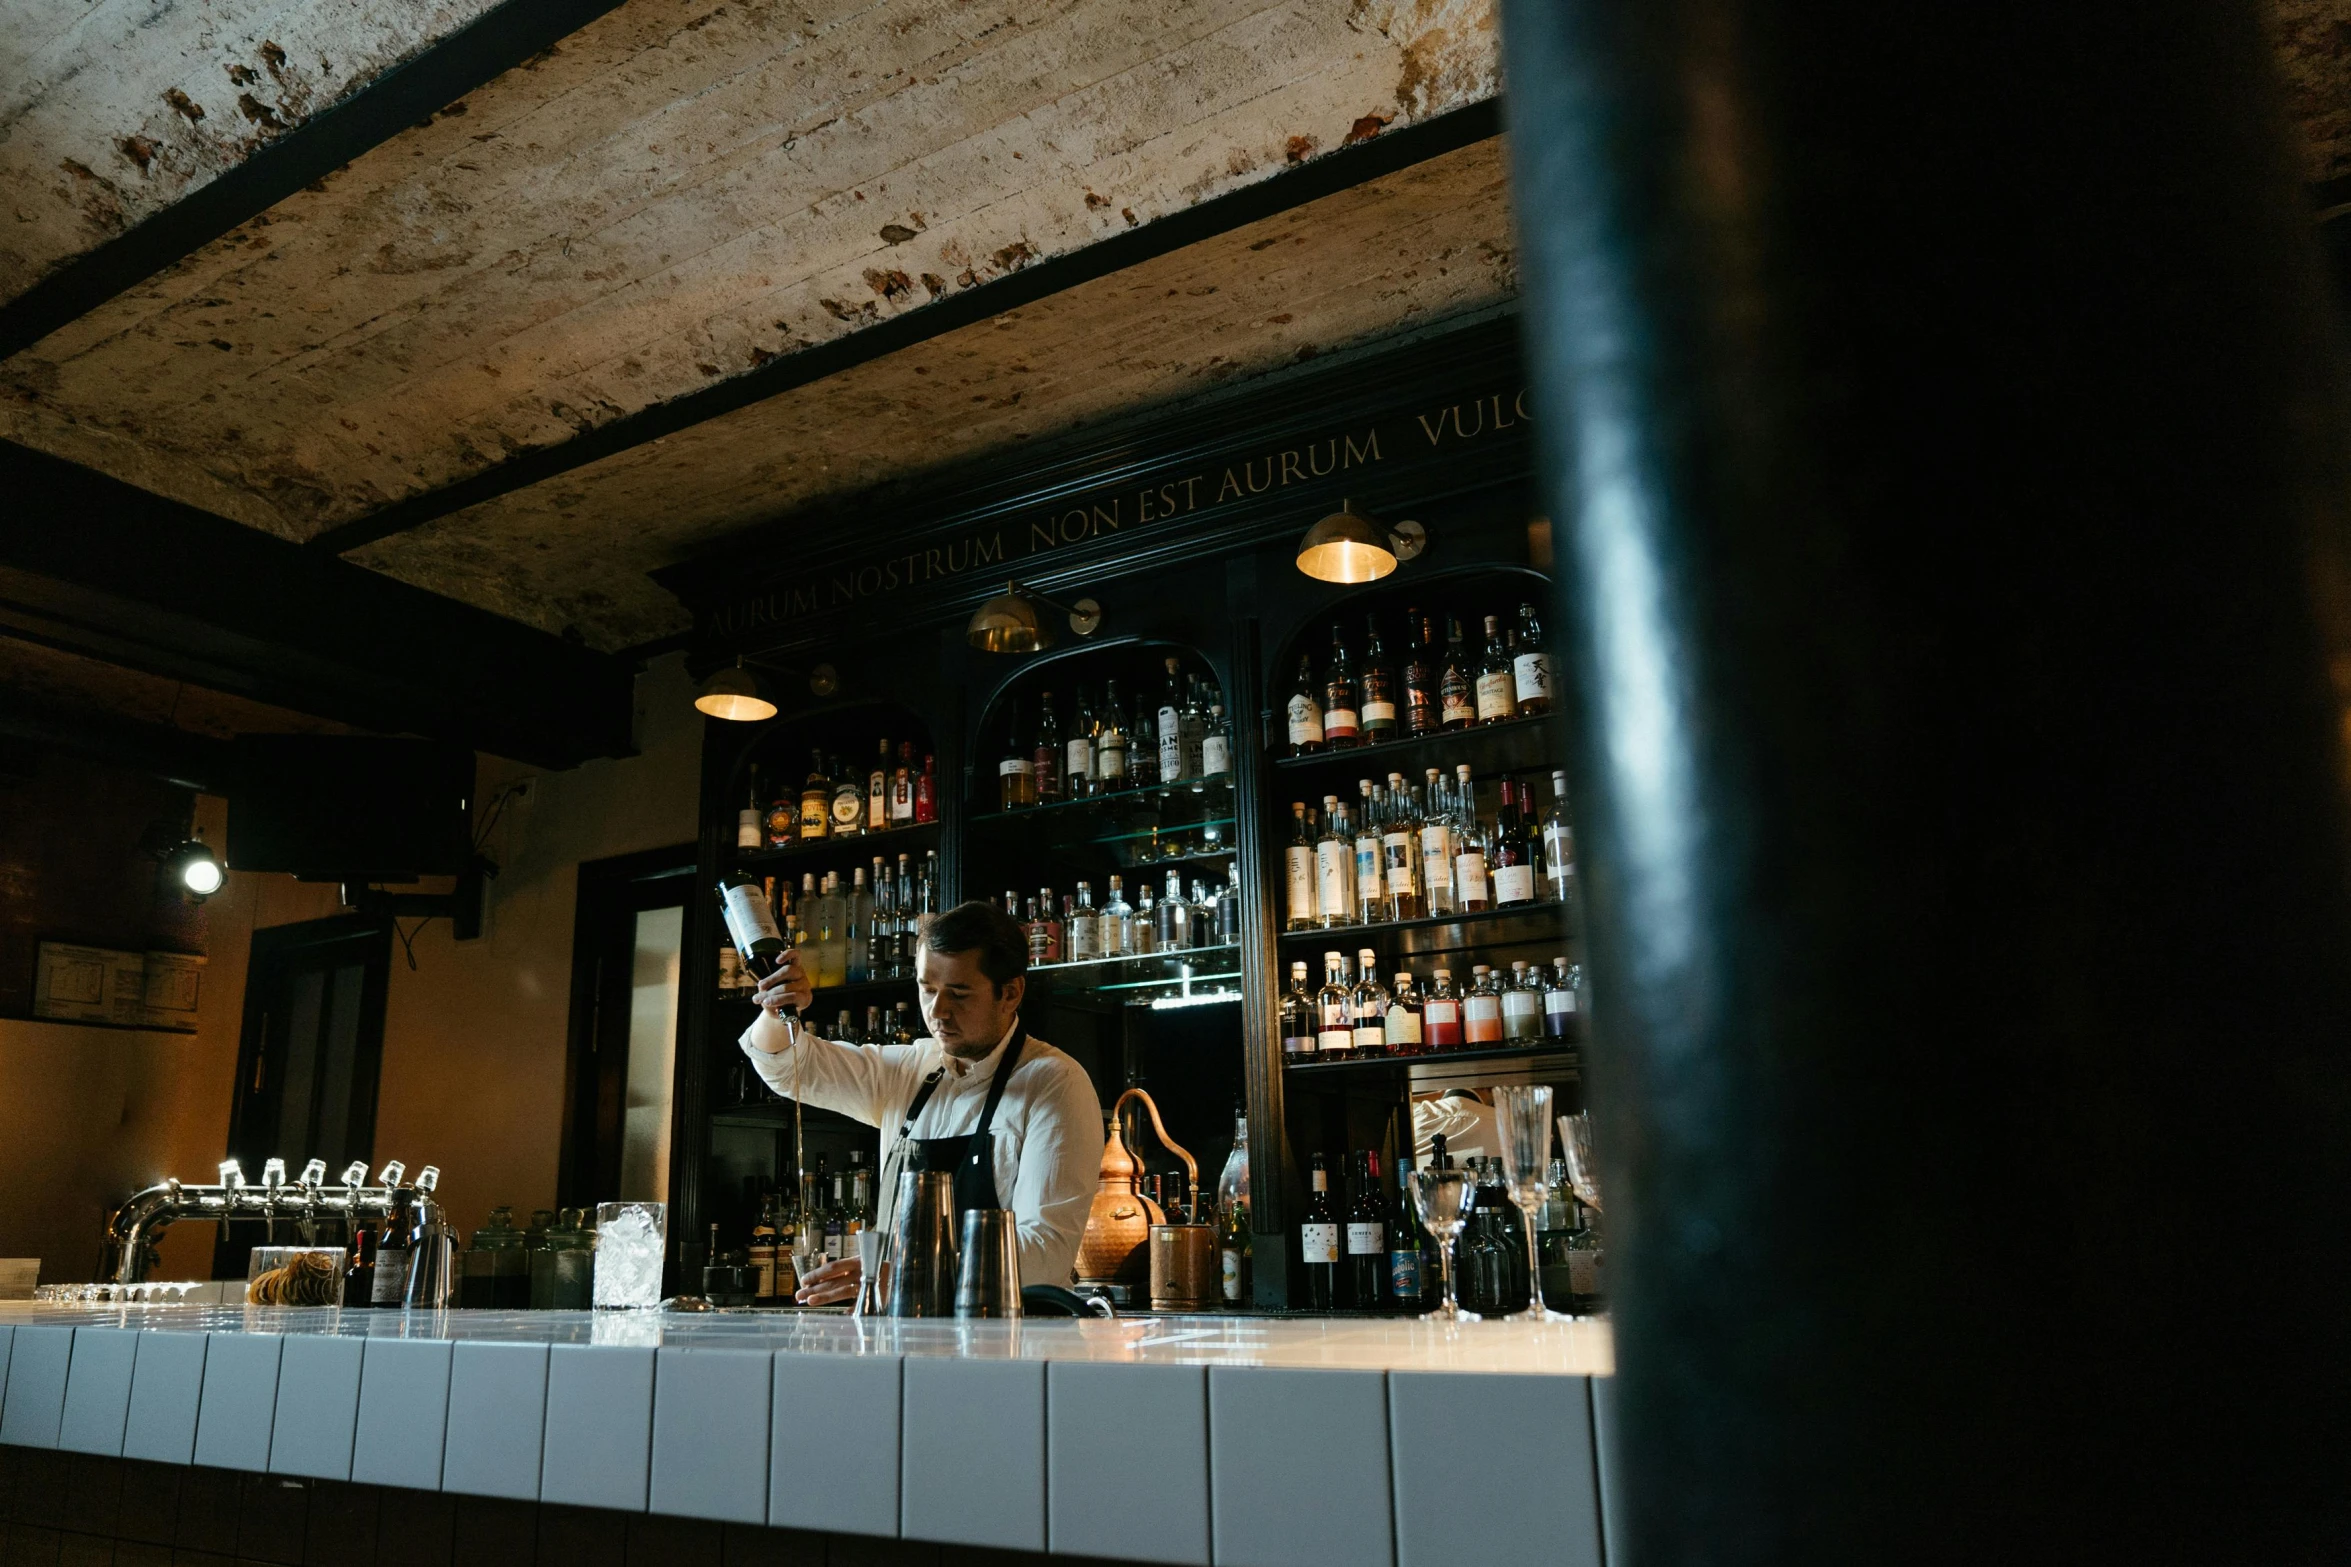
1583	1171
1441	1198
1522	1126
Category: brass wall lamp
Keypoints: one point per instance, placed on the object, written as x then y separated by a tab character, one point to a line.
737	693
1009	622
1349	547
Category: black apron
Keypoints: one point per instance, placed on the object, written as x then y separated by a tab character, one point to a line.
972	1156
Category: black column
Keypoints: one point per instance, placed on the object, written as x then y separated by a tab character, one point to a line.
1941	428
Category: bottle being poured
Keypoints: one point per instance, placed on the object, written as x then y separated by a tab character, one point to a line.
751	923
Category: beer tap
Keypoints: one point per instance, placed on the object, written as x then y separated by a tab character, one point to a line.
133	1228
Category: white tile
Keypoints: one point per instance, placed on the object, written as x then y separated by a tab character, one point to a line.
599	1426
240	1400
973	1438
318	1406
36	1387
167	1387
834	1452
98	1390
1104	1425
497	1414
403	1410
1298	1466
1529	1465
710	1417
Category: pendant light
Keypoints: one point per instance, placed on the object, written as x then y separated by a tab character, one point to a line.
733	694
1009	622
1346	547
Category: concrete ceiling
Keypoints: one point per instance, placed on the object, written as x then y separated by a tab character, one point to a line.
683	192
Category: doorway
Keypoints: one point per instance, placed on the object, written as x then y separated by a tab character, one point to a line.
627	946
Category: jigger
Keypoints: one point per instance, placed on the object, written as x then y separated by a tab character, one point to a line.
987	1276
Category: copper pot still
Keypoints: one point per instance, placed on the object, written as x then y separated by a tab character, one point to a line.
1115	1249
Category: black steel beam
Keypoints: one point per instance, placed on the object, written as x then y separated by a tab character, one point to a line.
1343	169
95	566
435	77
1940	413
174	755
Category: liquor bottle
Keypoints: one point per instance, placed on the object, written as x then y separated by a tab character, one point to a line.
1402	1023
1143	748
816	799
1146	922
1471	895
1045	761
1084	936
359	1278
1379	718
1421	675
763	1253
902	786
1171	725
1563	1001
877	791
750	825
1342	710
1405	1286
1367	1008
1437	848
1298	1017
1305	712
857	930
836	1223
1371	866
1025	915
1522	1006
1118	924
848	802
1016	771
780	825
1110	741
1497	685
1192	727
1050	913
1440	1014
1235	1253
1400	852
1318	1241
1077	752
389	1287
1216	744
750	920
1530	665
1481	1009
1173	923
1334	1023
1298	859
902	1025
1587	1270
1457	692
926	790
1511	862
1367	1237
1334	868
1559	867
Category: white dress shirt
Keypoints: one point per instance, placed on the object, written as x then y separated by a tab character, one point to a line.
1048	1132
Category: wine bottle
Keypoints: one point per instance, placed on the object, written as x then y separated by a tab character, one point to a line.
1530	665
1512	860
1078	754
1404	1244
751	922
1367	1237
1318	1241
1045	762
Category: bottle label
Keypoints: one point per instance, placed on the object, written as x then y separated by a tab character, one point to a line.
1469	877
1081	757
1171	745
847	808
1496	696
1458	703
1370	1034
1305	720
1334	1036
1378	713
1403	1025
1558	849
1301	859
814	816
1436	867
747	830
1216	757
1297	1044
1369	877
1398	848
1231	1284
1318	1243
749	919
1404	1274
1015	766
902	797
1514	884
1338	723
1334	892
1366	1240
391	1277
1531	672
1583	1272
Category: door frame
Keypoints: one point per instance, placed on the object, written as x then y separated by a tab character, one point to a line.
371	938
610	889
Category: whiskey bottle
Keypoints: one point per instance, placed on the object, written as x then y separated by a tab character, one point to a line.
1334	1023
1367	1009
1084	936
1457	693
1077	757
1117	923
1402	1023
1318	1241
816	799
1299	861
1110	741
1045	761
1016	772
1400	851
1420	676
1379	716
1298	1017
1497	687
1305	711
1530	665
1341	700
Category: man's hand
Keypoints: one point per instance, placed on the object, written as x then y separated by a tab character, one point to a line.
831	1284
788	986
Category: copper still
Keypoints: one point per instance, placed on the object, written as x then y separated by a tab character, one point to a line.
1115	1249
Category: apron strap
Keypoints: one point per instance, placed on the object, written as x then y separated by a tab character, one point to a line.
922	1096
1020	1037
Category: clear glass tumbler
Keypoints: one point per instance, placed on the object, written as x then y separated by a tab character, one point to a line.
1522	1125
632	1238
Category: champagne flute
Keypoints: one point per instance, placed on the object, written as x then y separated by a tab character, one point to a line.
1522	1125
1441	1198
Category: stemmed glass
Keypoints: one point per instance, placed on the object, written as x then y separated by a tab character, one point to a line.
1522	1125
1441	1197
1583	1171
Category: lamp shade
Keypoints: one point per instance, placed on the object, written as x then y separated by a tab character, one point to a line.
1346	548
733	694
1008	623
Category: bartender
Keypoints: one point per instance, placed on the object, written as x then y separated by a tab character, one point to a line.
1015	1119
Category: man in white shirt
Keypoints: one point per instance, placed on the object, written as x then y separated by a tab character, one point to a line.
1031	1142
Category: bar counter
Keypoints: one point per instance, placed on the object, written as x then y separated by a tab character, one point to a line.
1237	1441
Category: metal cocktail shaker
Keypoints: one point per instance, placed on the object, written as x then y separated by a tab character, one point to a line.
987	1282
922	1247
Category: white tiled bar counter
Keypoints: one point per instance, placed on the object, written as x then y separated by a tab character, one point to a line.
1242	1442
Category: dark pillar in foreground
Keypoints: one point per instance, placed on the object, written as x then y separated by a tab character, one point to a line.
1943	442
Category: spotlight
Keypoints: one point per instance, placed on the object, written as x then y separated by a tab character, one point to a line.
1345	547
1009	622
194	869
733	694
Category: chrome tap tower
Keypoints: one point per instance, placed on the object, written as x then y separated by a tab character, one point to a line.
131	1233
